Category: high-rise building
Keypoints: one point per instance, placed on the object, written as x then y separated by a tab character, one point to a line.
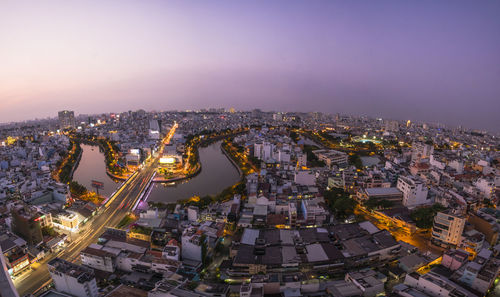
27	222
73	279
26	226
154	129
66	119
447	228
392	126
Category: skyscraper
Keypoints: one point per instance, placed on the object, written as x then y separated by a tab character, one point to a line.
66	119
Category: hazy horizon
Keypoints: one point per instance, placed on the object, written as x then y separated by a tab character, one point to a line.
428	61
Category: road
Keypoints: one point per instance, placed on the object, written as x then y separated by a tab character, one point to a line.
110	215
421	241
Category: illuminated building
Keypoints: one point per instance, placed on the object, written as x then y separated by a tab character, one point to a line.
67	221
170	162
7	288
14	251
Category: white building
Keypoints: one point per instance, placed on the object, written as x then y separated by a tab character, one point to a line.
193	213
421	150
66	220
96	257
262	151
73	279
391	126
447	228
313	213
332	157
366	281
458	165
191	245
435	285
436	162
414	191
485	186
305	178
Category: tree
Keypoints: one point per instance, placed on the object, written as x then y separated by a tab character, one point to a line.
49	231
339	202
424	217
374	203
344	207
356	161
294	136
204	251
77	189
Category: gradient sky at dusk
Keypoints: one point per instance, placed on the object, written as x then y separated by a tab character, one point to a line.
435	61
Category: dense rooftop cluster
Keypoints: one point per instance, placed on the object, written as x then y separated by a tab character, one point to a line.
328	205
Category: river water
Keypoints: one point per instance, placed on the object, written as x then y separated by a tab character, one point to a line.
217	173
92	166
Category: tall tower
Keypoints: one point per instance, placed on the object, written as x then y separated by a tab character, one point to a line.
66	119
7	288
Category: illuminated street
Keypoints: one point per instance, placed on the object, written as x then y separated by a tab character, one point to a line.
110	215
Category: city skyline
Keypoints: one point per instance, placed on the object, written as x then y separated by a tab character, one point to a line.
403	122
430	62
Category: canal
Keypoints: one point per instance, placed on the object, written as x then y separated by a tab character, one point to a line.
217	173
92	166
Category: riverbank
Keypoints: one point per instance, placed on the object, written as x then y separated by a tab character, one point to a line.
92	167
64	172
229	157
194	148
243	163
109	153
218	174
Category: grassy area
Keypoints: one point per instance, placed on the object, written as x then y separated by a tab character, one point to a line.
141	230
127	220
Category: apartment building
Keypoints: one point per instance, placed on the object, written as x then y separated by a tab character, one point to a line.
73	279
447	228
414	191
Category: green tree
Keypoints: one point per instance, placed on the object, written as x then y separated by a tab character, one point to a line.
339	202
424	216
77	189
374	203
355	160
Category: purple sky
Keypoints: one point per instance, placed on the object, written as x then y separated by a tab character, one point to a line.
435	61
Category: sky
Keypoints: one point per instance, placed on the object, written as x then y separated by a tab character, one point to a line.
435	61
